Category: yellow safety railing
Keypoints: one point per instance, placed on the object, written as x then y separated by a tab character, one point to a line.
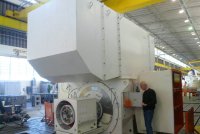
194	61
168	67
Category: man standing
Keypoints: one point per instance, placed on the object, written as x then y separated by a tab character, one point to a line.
149	102
1	107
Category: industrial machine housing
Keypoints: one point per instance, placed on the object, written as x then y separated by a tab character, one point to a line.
100	54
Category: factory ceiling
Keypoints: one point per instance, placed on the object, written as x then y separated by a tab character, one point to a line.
24	3
176	24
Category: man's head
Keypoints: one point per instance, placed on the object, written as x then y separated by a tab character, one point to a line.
143	85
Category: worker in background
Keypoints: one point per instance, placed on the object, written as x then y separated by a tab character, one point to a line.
1	107
149	102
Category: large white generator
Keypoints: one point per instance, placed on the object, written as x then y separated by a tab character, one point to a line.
99	54
96	51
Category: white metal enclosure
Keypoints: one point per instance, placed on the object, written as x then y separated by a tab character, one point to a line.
85	40
82	42
163	120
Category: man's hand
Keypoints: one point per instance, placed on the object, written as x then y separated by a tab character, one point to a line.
143	104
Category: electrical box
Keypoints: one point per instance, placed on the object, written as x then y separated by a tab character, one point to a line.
75	116
132	99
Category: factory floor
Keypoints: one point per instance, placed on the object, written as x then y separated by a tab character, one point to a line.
33	126
36	126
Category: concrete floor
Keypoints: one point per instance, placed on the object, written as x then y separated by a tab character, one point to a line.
33	126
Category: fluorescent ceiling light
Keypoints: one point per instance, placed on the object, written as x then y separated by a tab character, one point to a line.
181	11
186	21
198	42
190	28
173	0
32	1
196	38
193	33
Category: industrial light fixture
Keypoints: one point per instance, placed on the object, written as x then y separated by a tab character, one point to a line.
173	0
186	21
196	38
190	28
193	33
181	11
198	42
32	1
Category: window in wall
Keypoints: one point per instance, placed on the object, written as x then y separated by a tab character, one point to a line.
17	69
169	58
4	68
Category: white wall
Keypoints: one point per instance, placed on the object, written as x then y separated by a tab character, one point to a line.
11	51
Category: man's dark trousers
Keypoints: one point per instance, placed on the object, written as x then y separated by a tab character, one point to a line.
148	116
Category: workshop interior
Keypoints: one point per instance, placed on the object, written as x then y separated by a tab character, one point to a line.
76	66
